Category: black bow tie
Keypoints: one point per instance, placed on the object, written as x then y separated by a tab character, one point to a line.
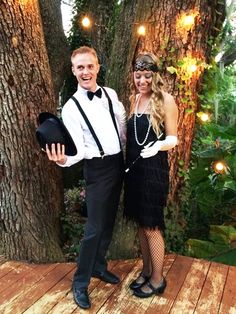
98	93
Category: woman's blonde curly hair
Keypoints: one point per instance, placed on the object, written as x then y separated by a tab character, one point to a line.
156	100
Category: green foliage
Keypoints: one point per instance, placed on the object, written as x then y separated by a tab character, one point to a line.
208	197
228	257
171	69
75	198
219	247
205	249
77	35
212	195
175	229
72	231
222	234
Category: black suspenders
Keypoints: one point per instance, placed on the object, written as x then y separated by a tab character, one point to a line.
101	151
112	114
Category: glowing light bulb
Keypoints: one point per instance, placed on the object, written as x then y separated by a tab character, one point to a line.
86	22
192	68
188	21
219	167
142	30
204	117
185	22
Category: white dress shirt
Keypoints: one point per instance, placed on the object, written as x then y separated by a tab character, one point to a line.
98	114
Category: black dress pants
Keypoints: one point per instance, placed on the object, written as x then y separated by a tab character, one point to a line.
104	179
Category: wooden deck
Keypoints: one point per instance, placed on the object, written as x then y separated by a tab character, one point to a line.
193	286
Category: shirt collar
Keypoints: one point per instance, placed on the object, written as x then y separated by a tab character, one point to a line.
84	91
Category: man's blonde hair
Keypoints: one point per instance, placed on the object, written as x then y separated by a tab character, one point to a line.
82	50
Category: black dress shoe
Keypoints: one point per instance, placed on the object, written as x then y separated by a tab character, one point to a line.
154	291
106	276
135	284
81	297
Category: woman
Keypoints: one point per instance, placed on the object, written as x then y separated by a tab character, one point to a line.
151	132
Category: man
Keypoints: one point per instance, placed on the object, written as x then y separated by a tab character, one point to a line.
96	121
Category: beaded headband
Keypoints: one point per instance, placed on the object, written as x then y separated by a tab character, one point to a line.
143	65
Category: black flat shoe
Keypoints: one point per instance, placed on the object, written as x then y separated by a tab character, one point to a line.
135	285
154	291
81	297
107	276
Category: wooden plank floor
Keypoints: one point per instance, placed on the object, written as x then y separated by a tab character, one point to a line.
193	286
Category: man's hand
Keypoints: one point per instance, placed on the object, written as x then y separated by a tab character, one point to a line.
57	153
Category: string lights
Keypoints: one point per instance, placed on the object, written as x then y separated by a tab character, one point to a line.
219	167
192	68
86	22
186	21
203	116
141	30
189	66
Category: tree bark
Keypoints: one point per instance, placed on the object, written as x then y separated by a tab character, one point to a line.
101	12
171	43
56	42
31	194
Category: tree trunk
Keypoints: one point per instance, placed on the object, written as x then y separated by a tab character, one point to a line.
102	15
56	42
31	188
172	43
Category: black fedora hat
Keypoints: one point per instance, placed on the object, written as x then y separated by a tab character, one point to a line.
52	130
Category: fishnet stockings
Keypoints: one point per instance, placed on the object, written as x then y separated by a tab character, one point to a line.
153	253
147	266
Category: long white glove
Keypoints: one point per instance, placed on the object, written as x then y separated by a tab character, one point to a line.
152	149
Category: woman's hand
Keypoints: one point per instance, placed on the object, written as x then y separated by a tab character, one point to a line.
151	149
57	153
169	142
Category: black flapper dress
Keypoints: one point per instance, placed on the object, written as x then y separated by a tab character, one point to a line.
147	181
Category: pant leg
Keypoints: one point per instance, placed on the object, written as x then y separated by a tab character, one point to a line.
106	237
99	175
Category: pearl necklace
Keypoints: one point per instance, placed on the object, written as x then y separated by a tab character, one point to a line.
135	131
136	107
138	115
